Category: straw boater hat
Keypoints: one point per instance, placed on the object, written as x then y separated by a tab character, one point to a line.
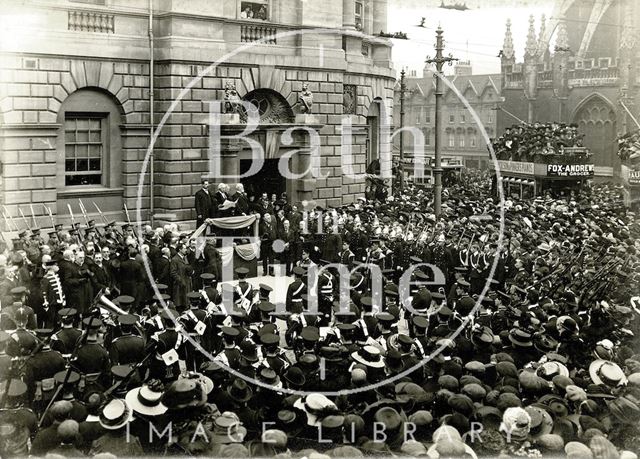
115	414
607	372
316	406
369	356
146	399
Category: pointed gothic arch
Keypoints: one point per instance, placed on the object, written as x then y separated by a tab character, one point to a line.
595	116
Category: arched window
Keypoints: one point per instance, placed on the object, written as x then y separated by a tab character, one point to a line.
472	137
89	148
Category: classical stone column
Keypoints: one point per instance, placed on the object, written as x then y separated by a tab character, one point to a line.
229	147
349	14
304	188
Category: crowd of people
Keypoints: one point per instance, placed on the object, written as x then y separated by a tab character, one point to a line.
537	141
629	147
523	344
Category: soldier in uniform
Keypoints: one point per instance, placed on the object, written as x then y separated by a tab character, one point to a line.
479	266
243	292
274	356
92	358
255	314
326	286
193	320
22	342
67	337
41	368
53	298
295	291
128	348
230	354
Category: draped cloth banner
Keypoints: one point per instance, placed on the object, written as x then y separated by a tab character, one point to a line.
247	252
240	221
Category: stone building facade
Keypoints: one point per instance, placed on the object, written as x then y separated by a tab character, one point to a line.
462	139
76	90
591	77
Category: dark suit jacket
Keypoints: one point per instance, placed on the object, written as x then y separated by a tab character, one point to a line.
75	285
242	204
205	206
163	271
101	277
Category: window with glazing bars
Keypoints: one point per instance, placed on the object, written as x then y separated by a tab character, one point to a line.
84	149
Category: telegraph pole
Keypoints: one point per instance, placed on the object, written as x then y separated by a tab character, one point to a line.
401	167
439	60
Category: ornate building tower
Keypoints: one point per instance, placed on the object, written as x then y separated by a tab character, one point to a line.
530	69
508	56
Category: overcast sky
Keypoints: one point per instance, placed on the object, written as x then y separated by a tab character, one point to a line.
482	27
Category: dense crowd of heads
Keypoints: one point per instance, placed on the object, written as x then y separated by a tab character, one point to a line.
521	341
534	142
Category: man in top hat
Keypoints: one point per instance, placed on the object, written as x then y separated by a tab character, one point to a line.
128	348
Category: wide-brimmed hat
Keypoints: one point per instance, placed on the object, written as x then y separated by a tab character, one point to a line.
520	338
550	369
369	356
184	393
239	391
607	373
315	406
268	376
146	399
227	428
482	336
115	414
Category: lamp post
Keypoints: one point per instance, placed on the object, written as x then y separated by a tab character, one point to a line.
439	60
401	165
